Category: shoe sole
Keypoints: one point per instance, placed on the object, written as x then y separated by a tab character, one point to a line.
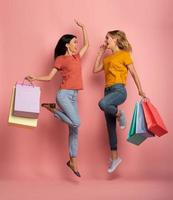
115	167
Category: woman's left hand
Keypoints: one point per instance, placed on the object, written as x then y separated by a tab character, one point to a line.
142	94
79	24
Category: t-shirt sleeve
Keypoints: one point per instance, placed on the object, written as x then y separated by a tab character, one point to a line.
127	58
58	63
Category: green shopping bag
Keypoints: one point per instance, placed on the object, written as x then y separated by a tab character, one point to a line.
132	136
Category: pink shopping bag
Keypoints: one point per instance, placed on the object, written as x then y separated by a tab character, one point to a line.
21	121
154	121
27	101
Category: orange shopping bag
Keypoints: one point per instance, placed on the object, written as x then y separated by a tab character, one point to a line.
154	121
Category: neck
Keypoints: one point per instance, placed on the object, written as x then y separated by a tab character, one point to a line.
68	53
115	49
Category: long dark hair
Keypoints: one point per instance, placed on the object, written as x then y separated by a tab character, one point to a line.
61	48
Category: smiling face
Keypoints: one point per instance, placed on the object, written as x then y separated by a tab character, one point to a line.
72	45
110	41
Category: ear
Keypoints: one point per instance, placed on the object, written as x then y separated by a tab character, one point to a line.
67	45
115	41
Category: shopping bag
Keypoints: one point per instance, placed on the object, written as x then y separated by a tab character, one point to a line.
141	127
19	120
134	138
154	121
26	101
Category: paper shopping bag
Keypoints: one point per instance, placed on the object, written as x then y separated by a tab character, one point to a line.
20	120
154	121
141	127
26	101
133	137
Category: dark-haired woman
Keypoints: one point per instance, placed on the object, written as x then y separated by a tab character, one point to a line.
68	63
116	67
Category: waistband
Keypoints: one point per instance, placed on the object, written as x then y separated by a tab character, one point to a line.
117	85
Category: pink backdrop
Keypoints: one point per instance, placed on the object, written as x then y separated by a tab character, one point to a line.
29	32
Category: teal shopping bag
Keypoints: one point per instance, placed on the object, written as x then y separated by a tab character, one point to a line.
133	137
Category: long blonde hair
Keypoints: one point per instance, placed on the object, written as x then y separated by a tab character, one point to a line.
122	41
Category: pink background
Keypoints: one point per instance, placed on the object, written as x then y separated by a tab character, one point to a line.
29	32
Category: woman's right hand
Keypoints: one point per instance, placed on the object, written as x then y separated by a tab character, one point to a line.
79	24
30	78
102	49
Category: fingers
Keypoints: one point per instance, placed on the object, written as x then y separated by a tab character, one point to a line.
103	46
142	94
29	78
78	23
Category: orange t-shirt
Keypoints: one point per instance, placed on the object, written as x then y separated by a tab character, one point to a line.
70	69
115	67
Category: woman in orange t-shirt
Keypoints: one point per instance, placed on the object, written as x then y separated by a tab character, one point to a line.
68	63
116	67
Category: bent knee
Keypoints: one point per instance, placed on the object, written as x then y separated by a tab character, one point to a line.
76	123
102	105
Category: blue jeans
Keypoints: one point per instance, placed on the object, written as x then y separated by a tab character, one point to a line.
67	100
113	96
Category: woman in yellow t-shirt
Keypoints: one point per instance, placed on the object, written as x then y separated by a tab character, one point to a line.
116	67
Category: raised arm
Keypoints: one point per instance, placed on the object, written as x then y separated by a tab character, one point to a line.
85	39
98	66
134	74
43	78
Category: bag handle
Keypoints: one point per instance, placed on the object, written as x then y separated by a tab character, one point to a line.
23	83
145	99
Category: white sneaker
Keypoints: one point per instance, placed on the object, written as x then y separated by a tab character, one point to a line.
114	164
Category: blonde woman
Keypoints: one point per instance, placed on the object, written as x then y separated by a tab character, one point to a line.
116	67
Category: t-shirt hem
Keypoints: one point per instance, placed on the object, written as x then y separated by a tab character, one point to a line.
109	85
67	88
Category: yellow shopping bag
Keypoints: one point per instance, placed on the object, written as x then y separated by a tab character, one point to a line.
20	120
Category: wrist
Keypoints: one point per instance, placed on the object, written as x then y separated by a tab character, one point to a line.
100	53
83	27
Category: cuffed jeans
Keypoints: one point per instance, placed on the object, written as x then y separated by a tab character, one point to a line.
113	96
67	100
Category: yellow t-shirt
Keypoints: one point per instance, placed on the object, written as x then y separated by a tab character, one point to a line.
115	67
